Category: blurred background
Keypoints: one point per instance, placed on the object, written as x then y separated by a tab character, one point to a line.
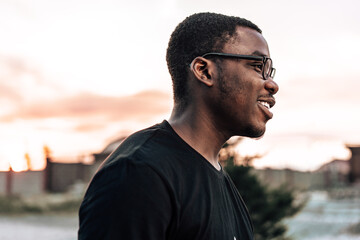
76	77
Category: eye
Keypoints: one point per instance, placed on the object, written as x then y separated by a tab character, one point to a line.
258	66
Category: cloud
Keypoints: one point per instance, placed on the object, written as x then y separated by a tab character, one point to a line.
9	93
28	95
21	81
89	105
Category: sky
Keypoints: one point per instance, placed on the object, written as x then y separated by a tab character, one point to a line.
75	75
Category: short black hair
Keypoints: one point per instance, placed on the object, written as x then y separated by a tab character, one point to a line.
196	35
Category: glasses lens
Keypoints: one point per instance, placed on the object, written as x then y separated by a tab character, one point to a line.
273	71
267	68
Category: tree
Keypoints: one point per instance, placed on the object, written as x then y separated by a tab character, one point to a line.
267	207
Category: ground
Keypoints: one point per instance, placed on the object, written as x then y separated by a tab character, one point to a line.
322	219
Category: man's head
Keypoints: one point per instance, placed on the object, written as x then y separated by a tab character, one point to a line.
198	34
223	68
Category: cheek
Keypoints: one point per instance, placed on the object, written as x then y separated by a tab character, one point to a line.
242	93
232	87
238	90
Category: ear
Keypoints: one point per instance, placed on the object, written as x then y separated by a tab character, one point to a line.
203	70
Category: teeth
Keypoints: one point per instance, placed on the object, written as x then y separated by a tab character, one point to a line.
265	104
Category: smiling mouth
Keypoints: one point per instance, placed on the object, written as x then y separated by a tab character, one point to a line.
265	105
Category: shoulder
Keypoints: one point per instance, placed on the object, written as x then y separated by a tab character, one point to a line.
155	149
158	147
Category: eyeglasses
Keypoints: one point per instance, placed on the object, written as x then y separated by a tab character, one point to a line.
267	64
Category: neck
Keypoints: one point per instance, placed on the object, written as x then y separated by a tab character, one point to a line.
197	130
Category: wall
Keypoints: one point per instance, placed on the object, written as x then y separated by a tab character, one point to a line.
22	183
60	176
3	183
28	183
275	178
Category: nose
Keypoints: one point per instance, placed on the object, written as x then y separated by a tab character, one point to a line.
271	86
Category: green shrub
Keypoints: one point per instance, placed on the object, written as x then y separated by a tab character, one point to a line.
66	206
267	207
14	204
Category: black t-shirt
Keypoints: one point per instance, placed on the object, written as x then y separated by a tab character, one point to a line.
154	186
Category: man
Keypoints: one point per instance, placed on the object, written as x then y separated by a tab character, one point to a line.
165	182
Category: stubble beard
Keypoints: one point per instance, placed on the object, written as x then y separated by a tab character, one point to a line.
228	91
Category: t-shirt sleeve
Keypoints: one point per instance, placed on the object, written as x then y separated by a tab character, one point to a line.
127	201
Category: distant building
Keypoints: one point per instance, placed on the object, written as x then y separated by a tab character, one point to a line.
330	175
339	166
276	178
335	173
59	177
354	161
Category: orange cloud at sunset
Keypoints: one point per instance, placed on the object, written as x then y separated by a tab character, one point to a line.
86	105
66	124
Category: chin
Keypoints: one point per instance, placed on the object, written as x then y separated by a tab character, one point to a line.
255	132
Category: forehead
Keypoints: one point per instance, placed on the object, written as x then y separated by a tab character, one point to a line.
247	41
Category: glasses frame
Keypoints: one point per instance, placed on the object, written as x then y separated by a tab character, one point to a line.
247	57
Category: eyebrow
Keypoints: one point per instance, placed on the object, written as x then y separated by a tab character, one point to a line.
257	53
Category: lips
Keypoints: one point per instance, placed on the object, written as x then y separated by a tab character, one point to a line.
265	103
